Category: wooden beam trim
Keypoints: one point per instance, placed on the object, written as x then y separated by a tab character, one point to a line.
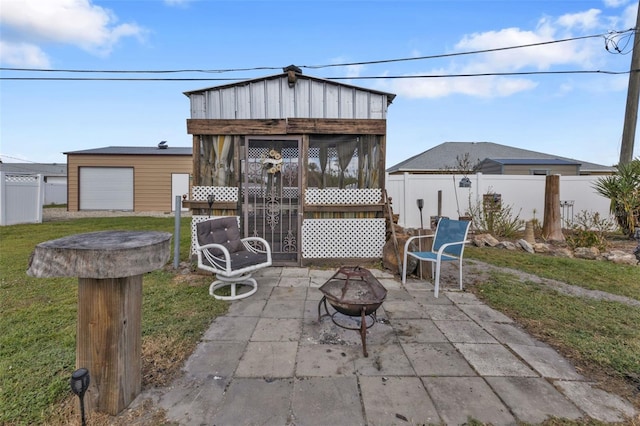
297	126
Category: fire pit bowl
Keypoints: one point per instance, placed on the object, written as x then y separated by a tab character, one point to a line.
353	291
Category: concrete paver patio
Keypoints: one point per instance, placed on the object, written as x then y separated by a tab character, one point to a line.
269	361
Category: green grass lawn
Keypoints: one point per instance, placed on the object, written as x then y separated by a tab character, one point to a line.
601	337
38	317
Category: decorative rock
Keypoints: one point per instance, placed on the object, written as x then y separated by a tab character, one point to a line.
508	245
481	240
562	252
620	257
591	253
526	246
541	248
390	258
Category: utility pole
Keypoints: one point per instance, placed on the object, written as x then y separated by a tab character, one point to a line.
631	112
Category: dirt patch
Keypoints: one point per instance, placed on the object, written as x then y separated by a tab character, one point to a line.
479	272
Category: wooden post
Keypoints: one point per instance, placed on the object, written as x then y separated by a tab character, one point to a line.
633	95
552	222
109	266
109	340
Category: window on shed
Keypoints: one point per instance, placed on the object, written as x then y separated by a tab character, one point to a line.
343	161
216	161
540	172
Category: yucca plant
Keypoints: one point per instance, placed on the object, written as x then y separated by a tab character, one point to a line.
623	189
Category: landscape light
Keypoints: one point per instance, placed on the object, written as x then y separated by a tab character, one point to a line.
79	384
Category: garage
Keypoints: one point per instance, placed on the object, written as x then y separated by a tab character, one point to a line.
106	188
128	178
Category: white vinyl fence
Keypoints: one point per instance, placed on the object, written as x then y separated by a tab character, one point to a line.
55	193
523	193
21	198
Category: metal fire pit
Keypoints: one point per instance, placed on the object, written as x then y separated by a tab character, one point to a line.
353	291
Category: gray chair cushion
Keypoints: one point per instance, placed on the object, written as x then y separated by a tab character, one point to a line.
223	231
242	259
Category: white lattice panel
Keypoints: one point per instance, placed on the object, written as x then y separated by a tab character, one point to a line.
343	196
21	178
343	238
196	219
222	193
287	192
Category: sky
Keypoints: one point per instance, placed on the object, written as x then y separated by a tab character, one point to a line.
544	98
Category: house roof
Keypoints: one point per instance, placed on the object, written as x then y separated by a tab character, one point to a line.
445	157
533	161
390	96
47	169
134	150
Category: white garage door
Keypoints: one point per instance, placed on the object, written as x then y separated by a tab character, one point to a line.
106	188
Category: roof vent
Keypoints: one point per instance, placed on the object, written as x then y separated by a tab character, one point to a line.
163	145
293	68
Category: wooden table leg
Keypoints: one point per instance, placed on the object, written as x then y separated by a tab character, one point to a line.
109	341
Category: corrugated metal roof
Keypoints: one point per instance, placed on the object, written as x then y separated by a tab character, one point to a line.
47	169
134	150
444	157
390	96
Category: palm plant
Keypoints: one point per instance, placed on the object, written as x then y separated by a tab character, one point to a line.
623	189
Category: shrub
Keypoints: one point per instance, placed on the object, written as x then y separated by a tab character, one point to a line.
588	229
495	218
623	189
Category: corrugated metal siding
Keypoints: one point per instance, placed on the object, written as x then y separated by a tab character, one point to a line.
274	99
152	177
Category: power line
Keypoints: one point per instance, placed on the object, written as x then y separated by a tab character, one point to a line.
377	77
609	40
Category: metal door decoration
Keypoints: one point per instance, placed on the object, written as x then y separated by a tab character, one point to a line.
271	195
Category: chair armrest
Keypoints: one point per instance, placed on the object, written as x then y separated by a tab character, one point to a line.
213	259
406	244
455	243
265	247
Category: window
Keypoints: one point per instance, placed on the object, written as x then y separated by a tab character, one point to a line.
540	172
343	161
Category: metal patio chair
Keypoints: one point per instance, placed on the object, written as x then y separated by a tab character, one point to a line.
233	259
448	246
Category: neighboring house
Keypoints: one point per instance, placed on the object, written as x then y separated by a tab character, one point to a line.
128	178
54	177
493	158
297	158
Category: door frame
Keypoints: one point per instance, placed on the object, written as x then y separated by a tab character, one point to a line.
244	198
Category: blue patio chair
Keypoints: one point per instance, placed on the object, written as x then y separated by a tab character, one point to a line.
448	246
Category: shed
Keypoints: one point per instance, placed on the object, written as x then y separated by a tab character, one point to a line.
128	178
299	159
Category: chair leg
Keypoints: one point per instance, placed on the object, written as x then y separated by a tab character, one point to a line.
404	268
436	284
460	268
244	280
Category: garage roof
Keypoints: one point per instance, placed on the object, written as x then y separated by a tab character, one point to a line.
134	150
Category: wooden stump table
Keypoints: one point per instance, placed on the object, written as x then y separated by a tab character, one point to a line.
109	266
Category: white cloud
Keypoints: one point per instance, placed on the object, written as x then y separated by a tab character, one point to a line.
482	87
75	22
583	20
583	54
177	2
615	3
23	55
